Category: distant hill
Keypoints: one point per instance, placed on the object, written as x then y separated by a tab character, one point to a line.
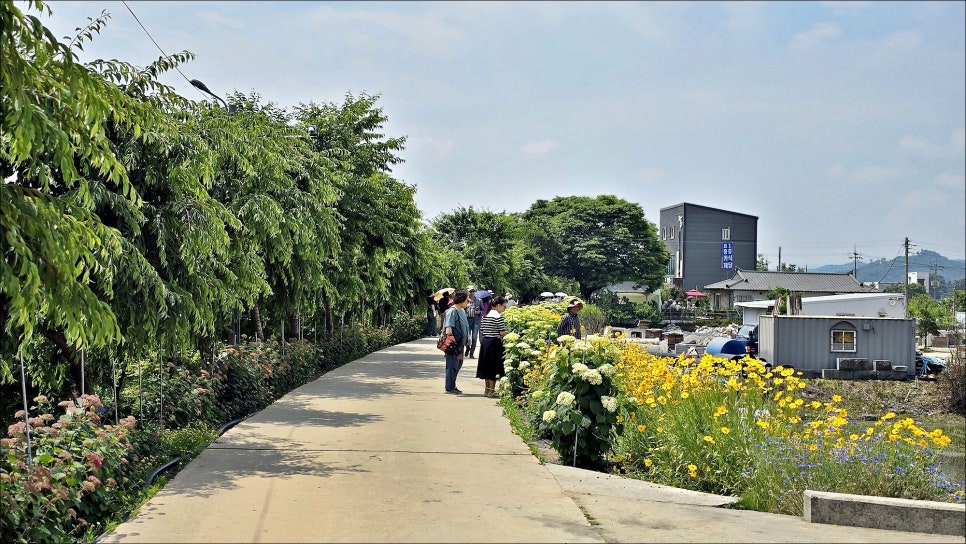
892	270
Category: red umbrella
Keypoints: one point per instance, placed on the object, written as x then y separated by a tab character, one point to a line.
695	293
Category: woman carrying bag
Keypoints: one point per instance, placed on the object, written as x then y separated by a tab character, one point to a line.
455	323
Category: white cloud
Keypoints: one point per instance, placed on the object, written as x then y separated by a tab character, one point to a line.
952	150
430	148
906	39
951	180
216	20
650	174
873	174
821	32
540	148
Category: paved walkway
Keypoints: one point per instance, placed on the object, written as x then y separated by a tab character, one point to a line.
374	451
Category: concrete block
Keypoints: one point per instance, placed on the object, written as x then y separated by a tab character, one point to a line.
885	513
879	364
851	363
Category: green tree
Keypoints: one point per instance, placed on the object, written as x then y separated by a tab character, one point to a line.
485	239
761	264
595	241
930	315
791	267
914	289
56	155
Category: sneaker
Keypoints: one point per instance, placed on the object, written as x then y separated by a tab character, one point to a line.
453	392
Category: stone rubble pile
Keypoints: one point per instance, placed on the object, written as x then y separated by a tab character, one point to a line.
702	335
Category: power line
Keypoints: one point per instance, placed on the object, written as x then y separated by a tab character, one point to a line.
153	40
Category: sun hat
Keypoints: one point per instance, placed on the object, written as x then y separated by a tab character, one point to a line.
470	288
575	302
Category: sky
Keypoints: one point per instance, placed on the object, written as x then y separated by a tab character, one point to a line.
840	125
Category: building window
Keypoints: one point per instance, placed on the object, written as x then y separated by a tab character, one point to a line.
672	232
843	340
726	233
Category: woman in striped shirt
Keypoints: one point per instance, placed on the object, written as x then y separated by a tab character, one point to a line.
492	330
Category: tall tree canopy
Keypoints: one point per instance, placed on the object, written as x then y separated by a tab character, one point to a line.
595	241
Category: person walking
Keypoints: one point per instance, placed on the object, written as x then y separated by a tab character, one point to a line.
474	313
570	322
454	322
492	354
442	305
430	314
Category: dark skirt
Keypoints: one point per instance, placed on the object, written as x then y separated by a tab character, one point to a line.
490	364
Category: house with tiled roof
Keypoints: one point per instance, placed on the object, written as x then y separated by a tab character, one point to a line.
752	285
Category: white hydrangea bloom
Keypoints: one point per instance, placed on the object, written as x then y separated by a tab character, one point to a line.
580	346
565	398
511	337
508	345
507	368
523	346
592	376
524	365
579	368
566	338
610	403
549	415
606	369
535	352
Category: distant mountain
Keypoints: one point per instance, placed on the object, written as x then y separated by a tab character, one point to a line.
892	270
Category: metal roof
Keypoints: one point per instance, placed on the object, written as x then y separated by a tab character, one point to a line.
805	282
826	298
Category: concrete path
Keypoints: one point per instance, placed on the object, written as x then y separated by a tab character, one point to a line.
374	451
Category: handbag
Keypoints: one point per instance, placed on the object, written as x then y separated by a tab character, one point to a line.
446	342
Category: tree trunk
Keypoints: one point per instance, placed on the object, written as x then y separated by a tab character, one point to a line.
257	318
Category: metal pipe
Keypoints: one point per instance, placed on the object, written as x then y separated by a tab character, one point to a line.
167	466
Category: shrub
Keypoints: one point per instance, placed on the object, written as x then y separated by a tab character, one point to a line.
581	416
79	473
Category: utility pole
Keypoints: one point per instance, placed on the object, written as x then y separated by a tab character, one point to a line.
855	260
779	267
906	278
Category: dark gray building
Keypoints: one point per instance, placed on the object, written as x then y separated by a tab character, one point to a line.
706	244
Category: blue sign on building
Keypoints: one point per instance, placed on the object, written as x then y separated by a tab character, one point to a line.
726	256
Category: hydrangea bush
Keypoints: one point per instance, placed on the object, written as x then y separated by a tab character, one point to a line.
76	476
579	403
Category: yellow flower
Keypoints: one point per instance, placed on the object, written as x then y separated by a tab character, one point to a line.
641	428
890	415
836	398
709	439
648	463
725	430
816	404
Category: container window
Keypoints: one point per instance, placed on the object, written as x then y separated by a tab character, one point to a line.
843	340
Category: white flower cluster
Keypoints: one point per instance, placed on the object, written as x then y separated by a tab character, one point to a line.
523	346
549	415
535	352
566	338
524	365
606	369
579	368
610	403
580	346
510	337
592	376
565	398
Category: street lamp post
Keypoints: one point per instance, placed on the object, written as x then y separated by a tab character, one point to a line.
204	88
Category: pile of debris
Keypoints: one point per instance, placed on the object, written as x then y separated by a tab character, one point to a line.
702	335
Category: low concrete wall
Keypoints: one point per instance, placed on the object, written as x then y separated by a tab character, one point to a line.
885	513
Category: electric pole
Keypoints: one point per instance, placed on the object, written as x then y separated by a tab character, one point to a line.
906	279
855	261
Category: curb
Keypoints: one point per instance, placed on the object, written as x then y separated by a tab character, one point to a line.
885	513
